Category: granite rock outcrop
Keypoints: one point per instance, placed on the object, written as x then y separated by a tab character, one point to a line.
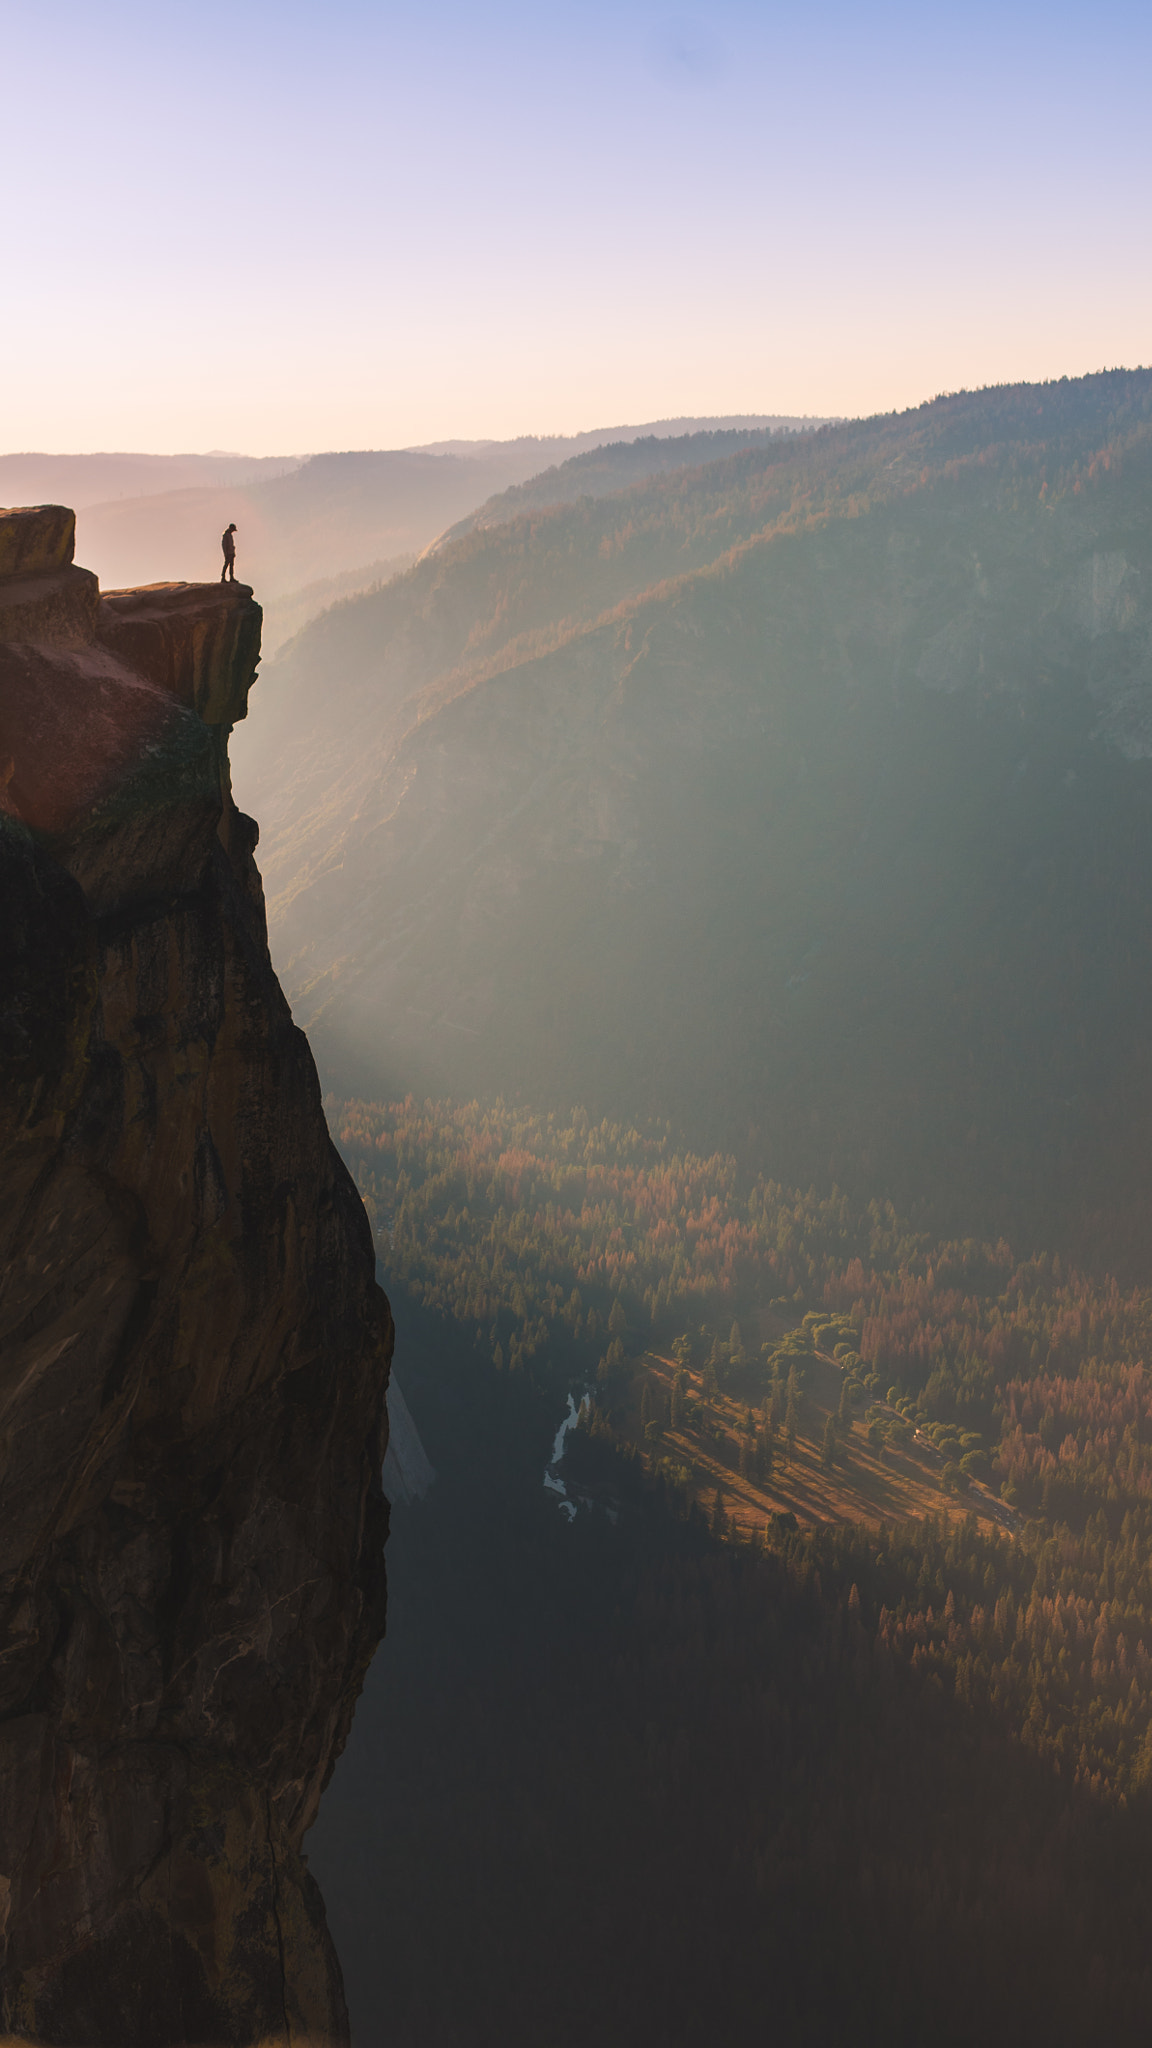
193	1349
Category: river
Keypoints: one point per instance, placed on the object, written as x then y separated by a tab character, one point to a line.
552	1479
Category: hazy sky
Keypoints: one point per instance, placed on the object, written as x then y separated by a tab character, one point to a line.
292	226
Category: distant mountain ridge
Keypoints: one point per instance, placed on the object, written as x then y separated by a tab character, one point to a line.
800	797
85	480
612	466
598	437
302	519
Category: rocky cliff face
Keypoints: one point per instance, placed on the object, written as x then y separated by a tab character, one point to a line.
193	1350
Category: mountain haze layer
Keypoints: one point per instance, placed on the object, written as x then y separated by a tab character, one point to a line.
84	480
800	797
300	520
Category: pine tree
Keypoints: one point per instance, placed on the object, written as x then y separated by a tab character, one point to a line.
791	1426
828	1453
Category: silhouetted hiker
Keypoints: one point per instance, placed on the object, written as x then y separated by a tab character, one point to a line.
229	547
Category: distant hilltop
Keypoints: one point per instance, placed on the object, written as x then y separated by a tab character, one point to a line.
575	444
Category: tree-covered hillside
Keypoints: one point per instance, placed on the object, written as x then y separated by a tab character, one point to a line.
665	1770
800	798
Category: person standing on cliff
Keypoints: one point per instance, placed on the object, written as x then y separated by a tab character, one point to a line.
229	546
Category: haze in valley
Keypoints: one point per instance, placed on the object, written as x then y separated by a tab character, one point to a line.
696	472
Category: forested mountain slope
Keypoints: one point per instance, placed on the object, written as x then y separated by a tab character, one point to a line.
801	798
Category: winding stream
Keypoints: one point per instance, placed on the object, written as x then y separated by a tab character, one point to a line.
552	1479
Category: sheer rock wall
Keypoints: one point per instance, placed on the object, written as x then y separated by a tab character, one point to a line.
193	1349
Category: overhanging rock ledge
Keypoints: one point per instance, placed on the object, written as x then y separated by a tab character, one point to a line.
193	1350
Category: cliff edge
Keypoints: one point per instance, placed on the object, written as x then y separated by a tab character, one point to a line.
193	1350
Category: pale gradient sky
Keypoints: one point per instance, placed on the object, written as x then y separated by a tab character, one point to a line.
291	227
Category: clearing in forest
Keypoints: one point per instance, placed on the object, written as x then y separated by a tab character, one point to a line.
710	1447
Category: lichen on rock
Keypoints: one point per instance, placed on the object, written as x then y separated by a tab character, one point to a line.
193	1353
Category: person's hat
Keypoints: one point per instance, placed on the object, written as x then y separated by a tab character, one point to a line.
232	528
